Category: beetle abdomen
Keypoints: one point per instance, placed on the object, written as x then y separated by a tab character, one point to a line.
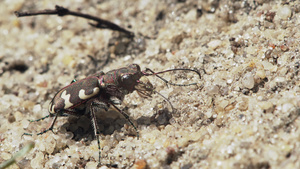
75	94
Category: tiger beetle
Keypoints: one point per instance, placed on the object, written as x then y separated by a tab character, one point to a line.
101	90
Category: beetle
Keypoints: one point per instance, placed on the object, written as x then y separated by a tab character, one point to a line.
102	90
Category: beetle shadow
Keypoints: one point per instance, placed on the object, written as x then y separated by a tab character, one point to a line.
159	118
111	123
82	126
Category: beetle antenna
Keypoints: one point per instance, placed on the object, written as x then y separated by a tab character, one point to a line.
165	99
170	70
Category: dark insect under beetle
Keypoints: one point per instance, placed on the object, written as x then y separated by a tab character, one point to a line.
102	90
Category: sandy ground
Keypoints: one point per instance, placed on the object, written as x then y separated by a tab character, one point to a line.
243	113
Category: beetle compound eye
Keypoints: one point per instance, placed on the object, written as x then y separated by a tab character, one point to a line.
128	82
126	79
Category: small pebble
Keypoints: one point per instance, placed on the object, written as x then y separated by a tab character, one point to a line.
191	15
248	80
265	105
140	164
91	165
287	107
284	13
214	44
261	74
279	79
212	90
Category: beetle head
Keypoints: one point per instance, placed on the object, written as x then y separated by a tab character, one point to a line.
129	77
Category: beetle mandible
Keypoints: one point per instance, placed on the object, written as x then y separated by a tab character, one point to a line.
101	90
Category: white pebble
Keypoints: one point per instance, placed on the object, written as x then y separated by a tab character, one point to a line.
265	105
284	12
279	79
91	165
248	80
212	90
214	44
261	74
287	107
267	65
37	109
153	49
191	15
272	154
37	161
103	167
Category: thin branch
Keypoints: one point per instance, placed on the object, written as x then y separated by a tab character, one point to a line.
61	11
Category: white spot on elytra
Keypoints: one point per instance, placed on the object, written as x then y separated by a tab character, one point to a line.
51	108
83	96
66	98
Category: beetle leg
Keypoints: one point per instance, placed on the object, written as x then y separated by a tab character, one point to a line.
93	104
96	129
51	125
127	118
43	118
70	111
48	129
